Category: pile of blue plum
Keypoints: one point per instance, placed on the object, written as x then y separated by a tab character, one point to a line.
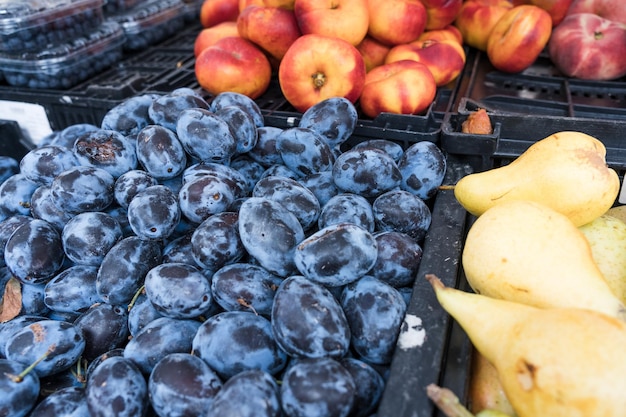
185	259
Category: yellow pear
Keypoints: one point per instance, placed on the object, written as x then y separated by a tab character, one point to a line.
607	237
526	252
566	171
558	362
619	212
485	390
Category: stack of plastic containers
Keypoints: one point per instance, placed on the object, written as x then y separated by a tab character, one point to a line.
56	43
147	22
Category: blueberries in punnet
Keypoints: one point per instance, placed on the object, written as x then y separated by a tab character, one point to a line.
401	211
154	213
334	118
159	338
129	184
242	125
368	172
399	257
178	290
160	152
68	401
423	167
129	116
104	327
42	164
205	136
88	237
336	255
216	242
294	196
34	252
15	195
106	149
317	387
73	290
347	208
116	387
304	151
166	109
270	233
83	188
123	269
19	395
375	311
231	98
182	384
236	341
252	393
308	321
62	341
391	148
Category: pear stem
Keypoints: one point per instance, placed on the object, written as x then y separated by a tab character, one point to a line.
447	401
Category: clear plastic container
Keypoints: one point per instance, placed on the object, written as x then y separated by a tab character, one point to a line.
151	22
67	64
27	25
116	6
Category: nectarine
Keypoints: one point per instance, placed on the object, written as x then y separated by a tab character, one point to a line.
344	19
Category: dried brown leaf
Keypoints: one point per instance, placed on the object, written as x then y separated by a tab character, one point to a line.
11	302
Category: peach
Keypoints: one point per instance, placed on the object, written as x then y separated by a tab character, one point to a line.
609	9
441	13
394	22
450	32
589	47
273	29
344	19
317	67
477	18
518	38
373	52
213	12
445	59
208	36
401	87
233	64
556	8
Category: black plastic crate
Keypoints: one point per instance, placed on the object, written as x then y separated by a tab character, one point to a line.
526	107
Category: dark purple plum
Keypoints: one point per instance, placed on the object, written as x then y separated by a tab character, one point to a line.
129	184
294	196
308	321
140	313
33	299
280	170
249	168
160	152
83	188
393	149
423	168
154	213
19	395
375	310
68	401
8	166
231	98
182	384
336	255
401	211
179	250
252	393
106	149
347	208
334	118
104	327
304	151
249	340
73	290
265	151
15	195
245	287
204	196
215	242
241	124
317	387
399	257
321	184
166	109
269	233
205	136
88	237
226	173
43	163
369	386
44	207
368	172
67	136
7	227
129	116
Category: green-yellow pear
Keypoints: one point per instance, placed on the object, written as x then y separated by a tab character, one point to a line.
526	252
556	362
607	237
485	390
566	171
619	212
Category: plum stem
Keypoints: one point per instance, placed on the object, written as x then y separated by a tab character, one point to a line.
20	377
